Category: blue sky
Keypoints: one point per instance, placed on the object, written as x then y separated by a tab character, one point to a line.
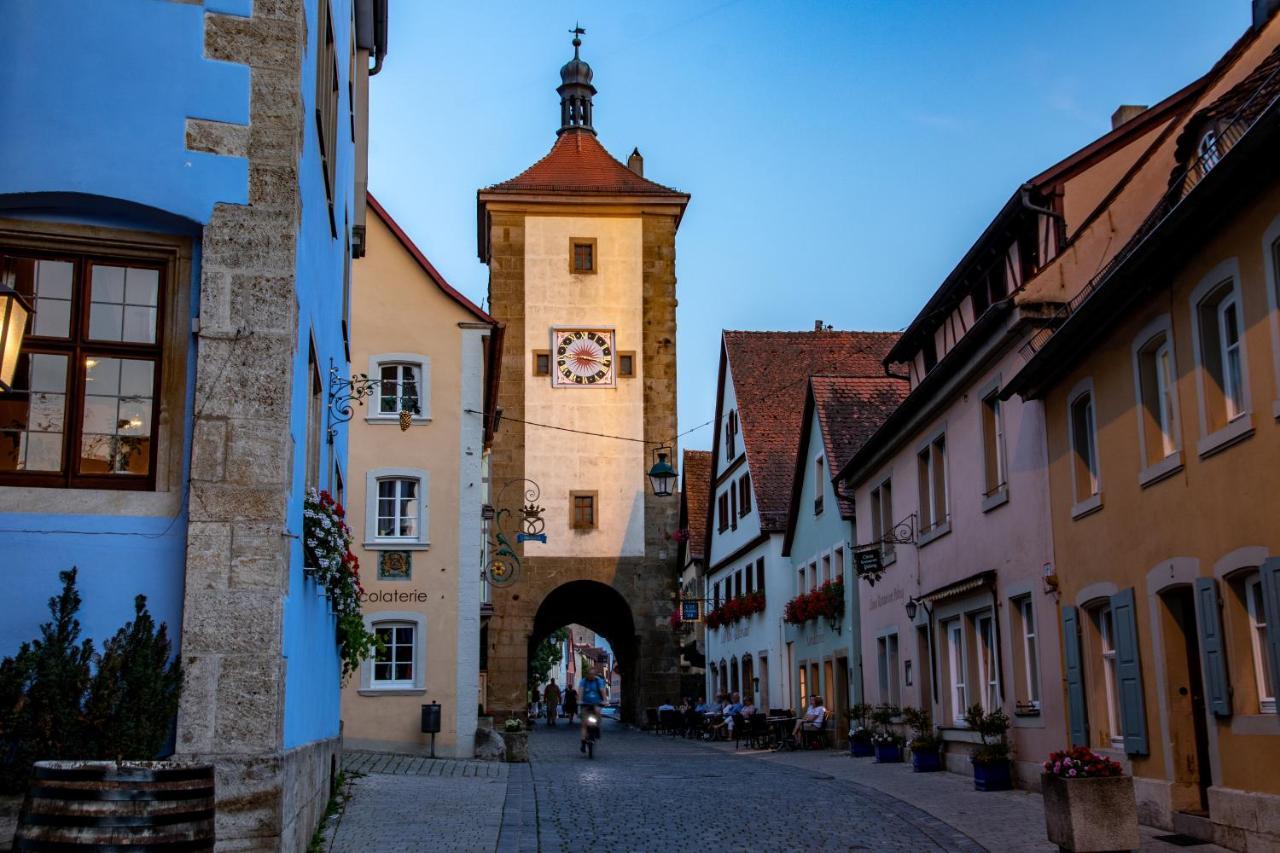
841	156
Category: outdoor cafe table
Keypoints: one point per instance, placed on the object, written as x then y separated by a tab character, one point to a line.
782	727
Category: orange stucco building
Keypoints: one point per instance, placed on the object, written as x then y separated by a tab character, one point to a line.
1161	389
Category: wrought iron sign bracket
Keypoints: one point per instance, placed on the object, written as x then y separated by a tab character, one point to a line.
345	392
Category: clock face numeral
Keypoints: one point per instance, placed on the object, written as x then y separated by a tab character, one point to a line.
583	357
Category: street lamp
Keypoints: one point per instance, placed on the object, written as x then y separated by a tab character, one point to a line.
14	312
662	476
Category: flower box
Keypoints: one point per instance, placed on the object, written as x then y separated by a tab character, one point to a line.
1090	813
827	601
926	761
735	609
992	775
888	753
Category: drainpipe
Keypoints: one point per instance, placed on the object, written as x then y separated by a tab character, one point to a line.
379	35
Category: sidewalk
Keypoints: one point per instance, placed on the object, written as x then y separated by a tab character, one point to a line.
998	820
403	803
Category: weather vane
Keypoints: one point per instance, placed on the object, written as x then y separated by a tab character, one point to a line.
578	32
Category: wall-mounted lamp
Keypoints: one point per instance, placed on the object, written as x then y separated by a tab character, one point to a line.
14	311
662	477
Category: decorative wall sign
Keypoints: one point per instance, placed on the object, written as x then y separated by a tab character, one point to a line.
582	358
395	565
690	610
504	562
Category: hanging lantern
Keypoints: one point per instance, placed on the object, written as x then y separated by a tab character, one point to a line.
662	476
14	312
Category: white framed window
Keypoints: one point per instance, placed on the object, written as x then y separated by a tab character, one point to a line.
1222	383
813	576
996	478
882	519
1107	649
931	468
404	386
887	668
1258	640
988	675
1155	375
837	558
1082	427
396	509
1030	651
400	666
954	632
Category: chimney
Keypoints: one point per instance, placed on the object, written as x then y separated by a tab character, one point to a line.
1126	113
635	162
1262	12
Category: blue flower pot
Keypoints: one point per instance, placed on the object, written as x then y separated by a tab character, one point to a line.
926	761
992	776
861	749
888	754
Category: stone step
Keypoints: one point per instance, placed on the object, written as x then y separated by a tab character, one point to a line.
1195	824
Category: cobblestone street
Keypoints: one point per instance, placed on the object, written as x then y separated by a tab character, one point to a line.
646	792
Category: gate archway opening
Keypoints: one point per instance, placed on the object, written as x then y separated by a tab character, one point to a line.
599	608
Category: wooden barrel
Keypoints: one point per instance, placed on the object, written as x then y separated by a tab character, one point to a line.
102	805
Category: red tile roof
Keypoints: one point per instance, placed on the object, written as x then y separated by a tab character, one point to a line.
771	373
850	410
695	469
578	164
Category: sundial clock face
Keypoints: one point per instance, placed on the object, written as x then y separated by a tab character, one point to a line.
582	358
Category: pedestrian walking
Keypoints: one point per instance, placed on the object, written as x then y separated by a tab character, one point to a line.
570	702
552	697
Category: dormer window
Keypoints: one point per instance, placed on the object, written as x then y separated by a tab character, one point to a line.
1209	155
930	353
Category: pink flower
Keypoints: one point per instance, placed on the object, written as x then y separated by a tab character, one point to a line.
1057	767
1071	772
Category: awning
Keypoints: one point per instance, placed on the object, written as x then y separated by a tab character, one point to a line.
978	581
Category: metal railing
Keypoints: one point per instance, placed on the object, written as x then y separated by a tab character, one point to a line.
1225	138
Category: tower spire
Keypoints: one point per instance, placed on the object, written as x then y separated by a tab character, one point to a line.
575	89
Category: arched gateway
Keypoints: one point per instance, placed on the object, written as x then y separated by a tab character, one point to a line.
581	256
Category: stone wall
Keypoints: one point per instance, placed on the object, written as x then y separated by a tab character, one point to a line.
237	572
646	583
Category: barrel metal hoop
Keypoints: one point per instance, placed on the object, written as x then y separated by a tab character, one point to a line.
68	847
119	794
116	821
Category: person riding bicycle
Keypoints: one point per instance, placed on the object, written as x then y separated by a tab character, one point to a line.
593	692
552	697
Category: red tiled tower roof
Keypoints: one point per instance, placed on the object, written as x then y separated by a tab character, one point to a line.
579	164
695	468
771	373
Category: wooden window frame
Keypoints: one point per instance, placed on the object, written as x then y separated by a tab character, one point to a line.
84	246
574	243
1082	433
626	354
744	495
573	510
819	471
327	97
722	512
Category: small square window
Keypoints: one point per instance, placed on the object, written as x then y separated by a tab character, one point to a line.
627	365
582	255
541	362
582	510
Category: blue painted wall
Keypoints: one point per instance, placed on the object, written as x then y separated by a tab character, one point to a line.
814	535
312	692
94	99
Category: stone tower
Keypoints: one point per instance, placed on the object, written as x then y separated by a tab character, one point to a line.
581	255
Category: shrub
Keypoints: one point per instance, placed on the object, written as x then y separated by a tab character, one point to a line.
924	737
993	728
859	722
58	701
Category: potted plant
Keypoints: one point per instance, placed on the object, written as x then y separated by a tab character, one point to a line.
516	739
926	746
887	742
1089	804
860	731
992	770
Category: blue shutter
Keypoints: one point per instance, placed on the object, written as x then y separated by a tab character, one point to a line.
1077	709
1270	572
1133	713
1213	647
